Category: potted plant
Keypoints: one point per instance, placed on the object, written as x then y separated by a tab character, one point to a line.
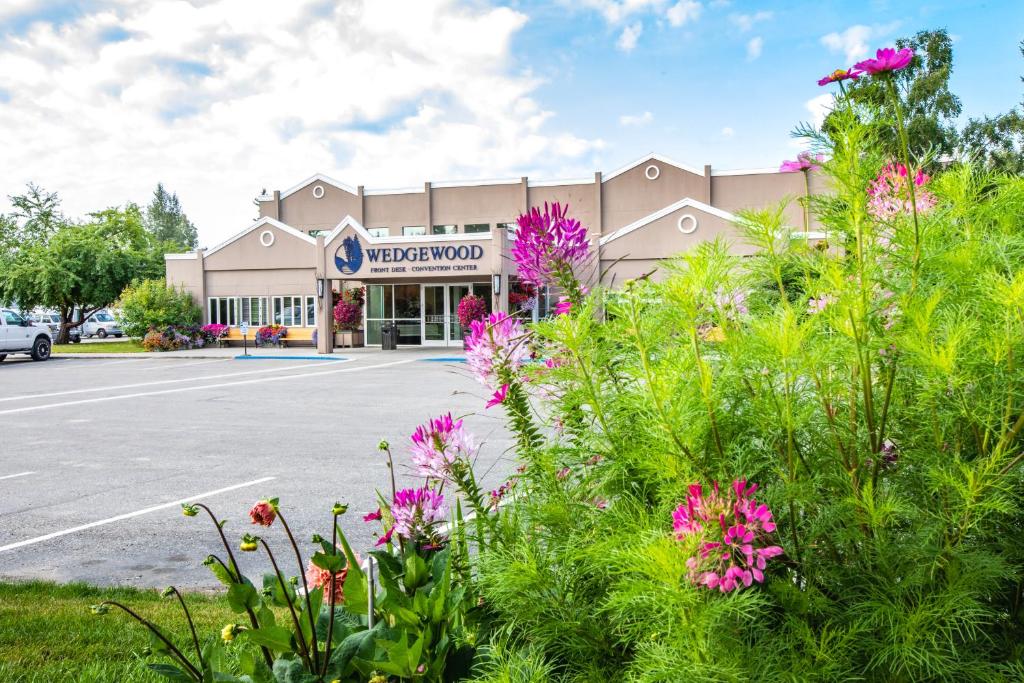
271	335
215	333
348	318
471	307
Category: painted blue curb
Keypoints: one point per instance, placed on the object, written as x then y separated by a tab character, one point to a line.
453	359
327	358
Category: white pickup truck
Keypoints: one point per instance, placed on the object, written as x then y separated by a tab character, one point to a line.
20	335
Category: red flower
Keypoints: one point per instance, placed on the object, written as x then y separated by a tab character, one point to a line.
263	513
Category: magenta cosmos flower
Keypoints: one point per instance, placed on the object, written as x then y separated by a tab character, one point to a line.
549	246
439	444
804	162
497	343
732	532
840	75
417	510
886	61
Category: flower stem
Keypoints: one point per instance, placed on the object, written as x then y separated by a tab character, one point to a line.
905	149
291	608
196	673
330	623
191	625
305	588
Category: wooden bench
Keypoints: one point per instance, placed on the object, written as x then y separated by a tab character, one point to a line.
297	336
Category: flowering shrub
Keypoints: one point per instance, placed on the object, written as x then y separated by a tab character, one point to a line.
271	335
348	309
214	332
471	307
174	338
890	193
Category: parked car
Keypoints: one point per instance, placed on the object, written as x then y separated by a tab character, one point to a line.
20	335
101	324
52	320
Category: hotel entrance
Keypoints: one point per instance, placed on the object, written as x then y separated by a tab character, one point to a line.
425	314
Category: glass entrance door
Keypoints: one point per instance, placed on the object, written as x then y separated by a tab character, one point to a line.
441	312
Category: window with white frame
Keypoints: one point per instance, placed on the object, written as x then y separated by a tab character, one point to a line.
288	311
223	310
477	227
378	232
444	230
414	231
253	310
310	312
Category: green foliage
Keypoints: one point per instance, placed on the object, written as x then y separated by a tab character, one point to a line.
883	426
153	303
167	223
997	141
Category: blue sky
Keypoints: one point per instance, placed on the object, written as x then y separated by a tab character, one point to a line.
101	99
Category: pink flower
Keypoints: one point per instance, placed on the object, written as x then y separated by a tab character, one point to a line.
386	538
499	396
495	343
549	245
263	513
317	577
840	75
372	516
804	162
439	444
499	493
563	306
600	503
886	61
417	510
731	303
730	530
562	473
819	304
889	193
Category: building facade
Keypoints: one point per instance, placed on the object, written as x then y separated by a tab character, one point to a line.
418	251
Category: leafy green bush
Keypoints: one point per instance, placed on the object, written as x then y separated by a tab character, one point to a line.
149	304
871	385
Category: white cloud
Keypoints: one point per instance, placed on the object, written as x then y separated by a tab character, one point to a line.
683	12
819	107
855	41
629	36
636	119
728	132
754	47
615	11
221	98
746	22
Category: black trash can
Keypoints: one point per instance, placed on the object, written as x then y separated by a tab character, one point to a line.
389	337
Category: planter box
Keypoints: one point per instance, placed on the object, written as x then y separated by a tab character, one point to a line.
350	338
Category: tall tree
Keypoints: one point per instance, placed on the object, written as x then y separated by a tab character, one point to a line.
930	109
80	268
997	141
36	218
167	223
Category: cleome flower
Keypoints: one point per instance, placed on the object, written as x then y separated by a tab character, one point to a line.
889	193
499	396
439	444
732	531
415	511
549	246
495	343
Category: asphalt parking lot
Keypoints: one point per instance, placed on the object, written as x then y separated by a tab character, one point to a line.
97	453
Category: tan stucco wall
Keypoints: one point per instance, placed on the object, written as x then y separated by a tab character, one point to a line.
759	190
186	274
395	211
304	211
478	204
246	253
630	196
582	201
286	281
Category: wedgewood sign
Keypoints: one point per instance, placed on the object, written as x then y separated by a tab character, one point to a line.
350	258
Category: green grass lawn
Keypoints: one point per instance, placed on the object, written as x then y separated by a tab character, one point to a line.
127	346
48	634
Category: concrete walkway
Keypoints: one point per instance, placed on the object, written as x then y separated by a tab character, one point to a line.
300	353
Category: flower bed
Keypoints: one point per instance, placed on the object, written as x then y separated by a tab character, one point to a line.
174	338
271	335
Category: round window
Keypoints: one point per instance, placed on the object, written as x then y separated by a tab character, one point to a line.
652	172
266	238
687	223
318	191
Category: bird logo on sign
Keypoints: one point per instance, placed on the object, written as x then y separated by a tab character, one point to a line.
349	256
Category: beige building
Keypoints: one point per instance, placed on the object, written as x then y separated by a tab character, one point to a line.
419	250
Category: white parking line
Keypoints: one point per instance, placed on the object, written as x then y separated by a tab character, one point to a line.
120	397
25	397
129	515
19	474
182	364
